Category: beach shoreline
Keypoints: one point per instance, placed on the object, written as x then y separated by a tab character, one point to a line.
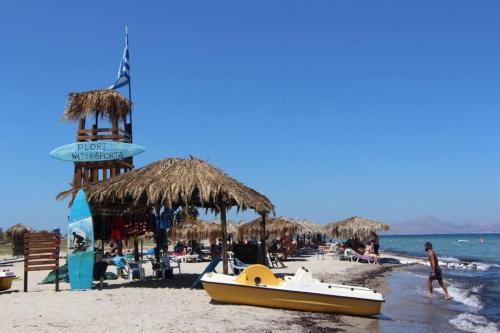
172	301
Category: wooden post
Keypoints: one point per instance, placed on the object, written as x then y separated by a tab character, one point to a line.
223	225
262	259
57	261
136	249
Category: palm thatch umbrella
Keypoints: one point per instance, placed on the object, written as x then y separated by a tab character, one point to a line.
16	234
306	227
354	227
190	230
215	230
278	227
176	182
108	103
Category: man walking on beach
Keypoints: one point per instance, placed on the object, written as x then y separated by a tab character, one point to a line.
436	273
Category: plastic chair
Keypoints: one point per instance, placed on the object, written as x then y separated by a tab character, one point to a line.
135	267
237	266
169	263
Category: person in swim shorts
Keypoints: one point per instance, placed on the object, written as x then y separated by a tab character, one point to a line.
436	273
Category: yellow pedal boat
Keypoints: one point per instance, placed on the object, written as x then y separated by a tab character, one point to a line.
258	286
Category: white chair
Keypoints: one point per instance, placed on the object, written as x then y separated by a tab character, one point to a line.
158	267
135	267
169	263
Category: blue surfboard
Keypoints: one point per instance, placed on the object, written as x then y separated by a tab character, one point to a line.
96	151
80	243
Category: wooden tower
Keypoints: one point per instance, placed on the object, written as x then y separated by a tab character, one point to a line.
101	116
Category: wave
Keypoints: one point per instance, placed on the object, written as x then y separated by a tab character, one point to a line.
465	297
473	323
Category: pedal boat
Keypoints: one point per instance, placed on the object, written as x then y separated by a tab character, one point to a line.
258	286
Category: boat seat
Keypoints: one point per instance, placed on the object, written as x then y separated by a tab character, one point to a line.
258	275
302	278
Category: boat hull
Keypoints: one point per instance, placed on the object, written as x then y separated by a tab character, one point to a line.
291	300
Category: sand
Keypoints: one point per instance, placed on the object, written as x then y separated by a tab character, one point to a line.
170	305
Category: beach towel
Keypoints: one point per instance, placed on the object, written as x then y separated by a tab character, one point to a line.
64	276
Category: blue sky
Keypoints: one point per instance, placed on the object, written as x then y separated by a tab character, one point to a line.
382	109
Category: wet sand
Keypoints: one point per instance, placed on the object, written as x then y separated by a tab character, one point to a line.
170	305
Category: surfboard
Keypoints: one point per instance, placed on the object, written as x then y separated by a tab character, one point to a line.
96	151
80	243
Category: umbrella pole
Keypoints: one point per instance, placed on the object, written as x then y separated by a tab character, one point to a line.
224	239
262	259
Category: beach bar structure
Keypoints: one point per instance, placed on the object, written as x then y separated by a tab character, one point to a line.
174	182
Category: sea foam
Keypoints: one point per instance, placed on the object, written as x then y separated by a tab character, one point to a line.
463	296
474	323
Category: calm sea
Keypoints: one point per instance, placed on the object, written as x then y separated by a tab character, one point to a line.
471	267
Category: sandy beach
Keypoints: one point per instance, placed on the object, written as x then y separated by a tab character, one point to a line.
170	305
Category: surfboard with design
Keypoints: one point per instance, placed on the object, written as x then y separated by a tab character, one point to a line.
93	151
80	243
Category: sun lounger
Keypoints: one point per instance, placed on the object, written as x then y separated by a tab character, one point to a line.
275	261
354	256
209	268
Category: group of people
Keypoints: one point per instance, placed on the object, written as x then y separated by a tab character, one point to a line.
369	248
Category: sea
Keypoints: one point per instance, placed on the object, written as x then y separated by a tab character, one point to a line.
471	269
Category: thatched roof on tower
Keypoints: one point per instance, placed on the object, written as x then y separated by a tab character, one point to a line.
176	182
354	227
109	103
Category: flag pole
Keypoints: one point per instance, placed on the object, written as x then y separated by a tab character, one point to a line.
129	86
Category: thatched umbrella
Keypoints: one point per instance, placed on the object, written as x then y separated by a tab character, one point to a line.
16	233
354	227
306	227
108	103
278	227
175	182
190	230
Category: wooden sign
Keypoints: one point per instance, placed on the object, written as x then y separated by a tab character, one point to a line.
93	151
41	253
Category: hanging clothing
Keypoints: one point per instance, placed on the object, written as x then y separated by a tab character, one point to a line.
117	228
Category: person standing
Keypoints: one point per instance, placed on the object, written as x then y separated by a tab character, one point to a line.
436	273
375	242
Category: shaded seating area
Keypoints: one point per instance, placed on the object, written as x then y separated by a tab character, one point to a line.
176	184
361	239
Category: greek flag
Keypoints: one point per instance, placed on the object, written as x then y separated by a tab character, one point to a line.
124	70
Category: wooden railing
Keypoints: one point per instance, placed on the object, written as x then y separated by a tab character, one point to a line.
103	134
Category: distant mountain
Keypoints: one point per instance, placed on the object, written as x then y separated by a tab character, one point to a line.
426	224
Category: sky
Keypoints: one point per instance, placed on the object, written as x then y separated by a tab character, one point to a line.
383	109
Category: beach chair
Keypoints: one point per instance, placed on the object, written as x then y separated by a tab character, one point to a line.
237	266
271	262
275	261
320	253
159	267
135	267
210	268
354	256
171	263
